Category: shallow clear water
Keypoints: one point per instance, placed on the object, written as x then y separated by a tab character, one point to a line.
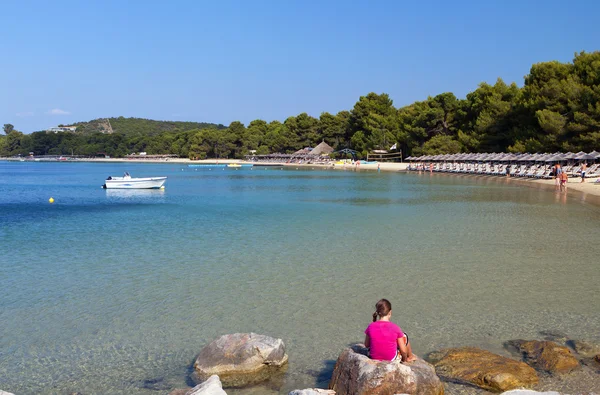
117	291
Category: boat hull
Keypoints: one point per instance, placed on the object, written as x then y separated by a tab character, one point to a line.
135	183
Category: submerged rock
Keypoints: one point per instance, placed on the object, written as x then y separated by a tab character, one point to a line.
584	348
483	369
529	392
546	355
555	336
312	391
355	374
157	384
6	393
241	359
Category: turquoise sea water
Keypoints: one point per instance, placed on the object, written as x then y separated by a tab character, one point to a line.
117	291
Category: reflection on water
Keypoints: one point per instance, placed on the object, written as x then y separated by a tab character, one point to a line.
113	293
135	194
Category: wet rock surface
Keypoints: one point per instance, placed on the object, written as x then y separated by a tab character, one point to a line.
469	365
212	386
241	359
546	355
356	373
584	348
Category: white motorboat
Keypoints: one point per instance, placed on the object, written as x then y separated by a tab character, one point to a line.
128	182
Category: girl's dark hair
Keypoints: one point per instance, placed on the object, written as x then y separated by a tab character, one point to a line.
382	308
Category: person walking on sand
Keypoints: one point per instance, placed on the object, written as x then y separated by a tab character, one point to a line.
583	169
385	339
557	172
564	178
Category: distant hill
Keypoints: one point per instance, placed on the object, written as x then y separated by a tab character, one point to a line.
139	126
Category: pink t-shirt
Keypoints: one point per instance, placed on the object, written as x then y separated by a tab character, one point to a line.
384	337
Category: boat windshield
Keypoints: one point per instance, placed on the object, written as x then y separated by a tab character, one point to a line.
126	175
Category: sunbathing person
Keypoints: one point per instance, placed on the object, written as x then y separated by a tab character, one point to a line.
385	339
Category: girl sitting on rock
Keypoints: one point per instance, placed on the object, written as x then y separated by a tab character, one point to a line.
385	339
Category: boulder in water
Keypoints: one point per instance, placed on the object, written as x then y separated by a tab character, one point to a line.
482	369
357	374
241	359
584	348
546	355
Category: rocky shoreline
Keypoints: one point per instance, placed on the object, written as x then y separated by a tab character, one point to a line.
536	367
239	360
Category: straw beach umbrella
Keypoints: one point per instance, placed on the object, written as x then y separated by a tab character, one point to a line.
588	157
322	148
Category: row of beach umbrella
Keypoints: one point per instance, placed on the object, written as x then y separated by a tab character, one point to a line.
505	157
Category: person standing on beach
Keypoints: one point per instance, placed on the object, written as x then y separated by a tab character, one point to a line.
583	169
564	178
557	172
385	339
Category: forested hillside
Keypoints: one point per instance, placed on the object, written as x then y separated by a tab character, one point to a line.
139	126
557	109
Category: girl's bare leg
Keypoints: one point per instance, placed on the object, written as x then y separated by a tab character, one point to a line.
410	356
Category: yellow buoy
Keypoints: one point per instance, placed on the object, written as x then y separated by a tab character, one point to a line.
51	200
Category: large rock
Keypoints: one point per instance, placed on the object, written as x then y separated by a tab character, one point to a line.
241	359
584	348
5	393
212	386
546	355
483	369
312	391
355	373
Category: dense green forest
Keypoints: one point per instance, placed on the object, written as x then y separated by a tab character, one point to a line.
133	126
557	109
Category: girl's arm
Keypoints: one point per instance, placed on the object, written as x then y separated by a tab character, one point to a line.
403	348
367	341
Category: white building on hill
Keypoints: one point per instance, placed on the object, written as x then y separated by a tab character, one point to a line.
61	129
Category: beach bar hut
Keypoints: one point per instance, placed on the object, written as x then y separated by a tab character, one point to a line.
322	149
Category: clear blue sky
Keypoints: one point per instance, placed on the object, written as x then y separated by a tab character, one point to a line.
220	61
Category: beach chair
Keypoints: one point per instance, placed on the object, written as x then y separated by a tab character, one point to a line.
593	171
542	172
522	171
573	171
531	171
